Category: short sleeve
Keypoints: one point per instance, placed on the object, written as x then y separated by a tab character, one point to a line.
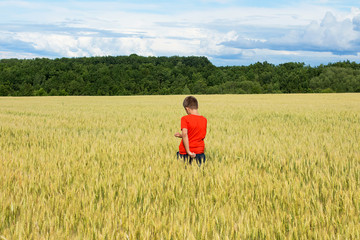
184	123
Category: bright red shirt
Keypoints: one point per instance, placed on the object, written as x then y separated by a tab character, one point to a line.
196	126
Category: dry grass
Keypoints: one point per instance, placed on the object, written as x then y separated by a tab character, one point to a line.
278	166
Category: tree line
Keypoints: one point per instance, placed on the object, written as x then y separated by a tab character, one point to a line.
137	75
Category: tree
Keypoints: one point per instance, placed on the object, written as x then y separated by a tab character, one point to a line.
26	90
186	90
40	92
200	86
53	92
134	74
250	87
5	90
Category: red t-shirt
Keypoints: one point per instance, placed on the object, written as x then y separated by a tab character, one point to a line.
196	126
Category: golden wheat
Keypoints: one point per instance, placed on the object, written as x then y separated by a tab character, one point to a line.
278	166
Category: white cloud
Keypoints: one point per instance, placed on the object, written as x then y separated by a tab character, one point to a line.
72	46
356	22
330	35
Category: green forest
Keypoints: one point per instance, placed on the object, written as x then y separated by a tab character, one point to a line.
137	75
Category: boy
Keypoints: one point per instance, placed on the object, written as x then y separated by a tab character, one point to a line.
193	132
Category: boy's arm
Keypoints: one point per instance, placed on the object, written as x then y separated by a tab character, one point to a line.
185	138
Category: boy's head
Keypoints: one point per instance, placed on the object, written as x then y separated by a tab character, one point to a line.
190	102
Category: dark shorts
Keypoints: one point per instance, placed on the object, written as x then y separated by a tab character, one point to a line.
200	158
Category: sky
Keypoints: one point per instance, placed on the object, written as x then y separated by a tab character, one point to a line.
227	32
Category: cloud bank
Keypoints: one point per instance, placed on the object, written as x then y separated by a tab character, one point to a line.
330	35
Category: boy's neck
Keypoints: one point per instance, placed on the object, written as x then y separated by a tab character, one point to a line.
193	112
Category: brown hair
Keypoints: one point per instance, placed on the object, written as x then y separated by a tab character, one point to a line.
190	102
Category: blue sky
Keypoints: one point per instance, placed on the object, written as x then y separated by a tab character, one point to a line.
228	32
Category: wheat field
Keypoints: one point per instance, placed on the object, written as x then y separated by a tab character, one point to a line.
278	167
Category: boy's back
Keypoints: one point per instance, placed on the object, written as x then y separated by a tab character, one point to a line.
193	132
196	126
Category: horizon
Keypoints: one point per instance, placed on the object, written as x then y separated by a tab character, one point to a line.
251	63
227	32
